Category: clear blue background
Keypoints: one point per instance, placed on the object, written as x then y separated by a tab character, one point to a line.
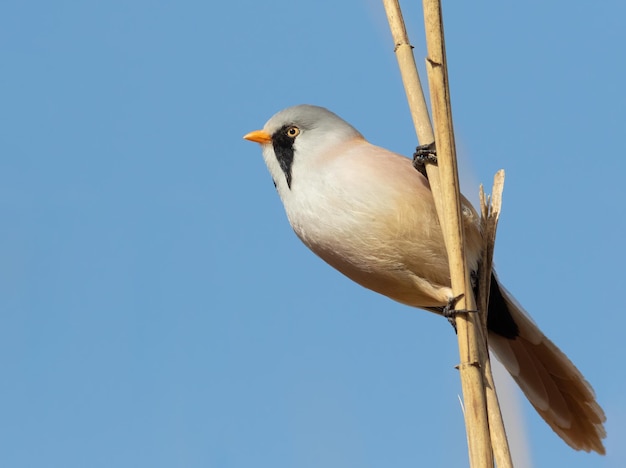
157	310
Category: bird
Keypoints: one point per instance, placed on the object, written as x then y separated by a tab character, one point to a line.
368	213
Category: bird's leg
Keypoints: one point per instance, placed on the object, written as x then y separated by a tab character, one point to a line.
450	312
424	154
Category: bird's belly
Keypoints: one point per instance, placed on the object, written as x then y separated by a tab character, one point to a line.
362	247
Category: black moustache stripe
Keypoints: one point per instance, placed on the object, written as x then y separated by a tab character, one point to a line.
283	149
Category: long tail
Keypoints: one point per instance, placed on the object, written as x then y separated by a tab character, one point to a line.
552	384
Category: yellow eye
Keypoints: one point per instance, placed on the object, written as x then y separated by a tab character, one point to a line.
293	132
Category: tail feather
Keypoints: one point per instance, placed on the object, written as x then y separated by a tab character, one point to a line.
550	381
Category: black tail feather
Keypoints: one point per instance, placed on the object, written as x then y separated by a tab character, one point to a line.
499	319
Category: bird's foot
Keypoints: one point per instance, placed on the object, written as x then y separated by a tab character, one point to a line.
424	154
450	313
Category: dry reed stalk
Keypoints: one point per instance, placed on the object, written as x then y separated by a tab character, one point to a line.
469	332
472	344
490	208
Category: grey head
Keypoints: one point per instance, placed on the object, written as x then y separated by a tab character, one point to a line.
302	131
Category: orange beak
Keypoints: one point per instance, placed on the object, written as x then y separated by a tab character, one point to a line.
258	136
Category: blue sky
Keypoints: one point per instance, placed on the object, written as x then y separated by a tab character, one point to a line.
156	308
